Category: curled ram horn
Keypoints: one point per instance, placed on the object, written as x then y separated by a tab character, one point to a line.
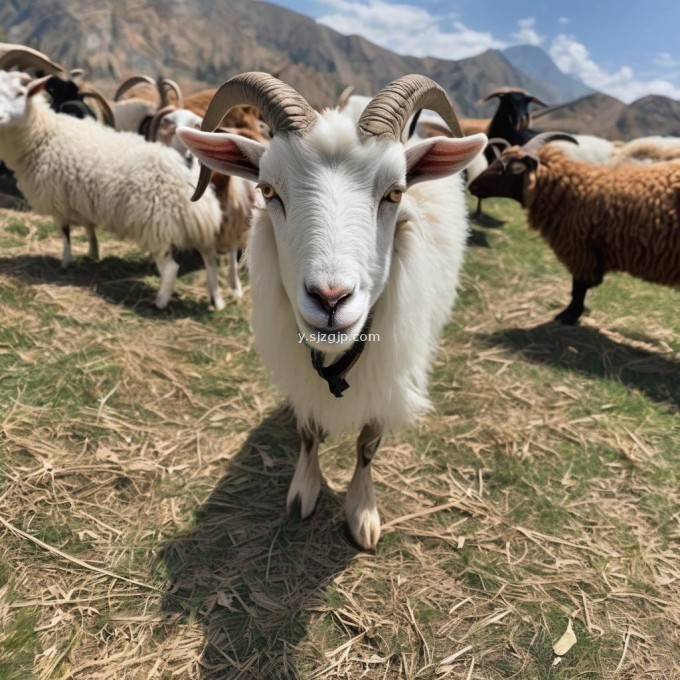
498	145
166	84
387	113
131	82
284	109
107	113
23	58
539	141
152	133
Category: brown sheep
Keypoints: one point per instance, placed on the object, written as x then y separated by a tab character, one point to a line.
596	219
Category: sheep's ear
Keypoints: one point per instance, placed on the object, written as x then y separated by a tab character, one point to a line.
441	156
224	152
37	85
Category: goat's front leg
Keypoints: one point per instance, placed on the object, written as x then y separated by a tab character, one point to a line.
93	249
304	489
210	260
361	509
66	257
234	280
167	268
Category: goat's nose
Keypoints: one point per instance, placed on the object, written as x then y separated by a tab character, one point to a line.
329	298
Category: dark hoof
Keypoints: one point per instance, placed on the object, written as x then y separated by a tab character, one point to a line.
567	318
294	509
350	539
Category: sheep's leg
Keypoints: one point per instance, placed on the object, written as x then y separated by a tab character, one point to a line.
571	314
361	509
66	257
93	249
234	280
167	268
304	489
479	208
210	260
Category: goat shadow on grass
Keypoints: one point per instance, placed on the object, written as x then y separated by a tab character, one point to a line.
250	576
586	350
115	279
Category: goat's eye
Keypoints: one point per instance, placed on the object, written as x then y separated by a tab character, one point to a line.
267	191
394	196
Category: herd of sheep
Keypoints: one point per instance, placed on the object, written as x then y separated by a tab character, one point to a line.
357	228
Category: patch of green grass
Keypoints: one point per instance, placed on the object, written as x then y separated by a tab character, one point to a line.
19	643
18	227
573	433
44	229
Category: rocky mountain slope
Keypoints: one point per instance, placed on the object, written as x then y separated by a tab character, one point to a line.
201	43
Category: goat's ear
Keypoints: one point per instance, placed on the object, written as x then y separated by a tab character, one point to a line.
223	152
441	156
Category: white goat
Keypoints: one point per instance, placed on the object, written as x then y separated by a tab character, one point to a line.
78	171
349	241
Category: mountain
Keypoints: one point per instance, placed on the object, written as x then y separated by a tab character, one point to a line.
604	116
201	43
537	63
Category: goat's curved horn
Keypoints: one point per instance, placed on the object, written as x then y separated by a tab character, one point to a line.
131	82
501	91
536	100
497	144
344	97
25	57
107	113
533	145
283	108
168	84
387	113
155	123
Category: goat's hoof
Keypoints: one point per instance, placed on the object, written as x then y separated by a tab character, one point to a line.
364	526
220	304
302	498
162	301
567	318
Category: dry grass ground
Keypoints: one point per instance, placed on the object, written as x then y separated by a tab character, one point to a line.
144	461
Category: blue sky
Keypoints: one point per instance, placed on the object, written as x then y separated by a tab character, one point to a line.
625	48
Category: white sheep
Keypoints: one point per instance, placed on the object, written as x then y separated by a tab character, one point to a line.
640	151
78	171
350	243
646	150
588	149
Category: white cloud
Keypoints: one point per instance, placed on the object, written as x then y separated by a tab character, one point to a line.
572	57
413	30
407	29
666	60
527	33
